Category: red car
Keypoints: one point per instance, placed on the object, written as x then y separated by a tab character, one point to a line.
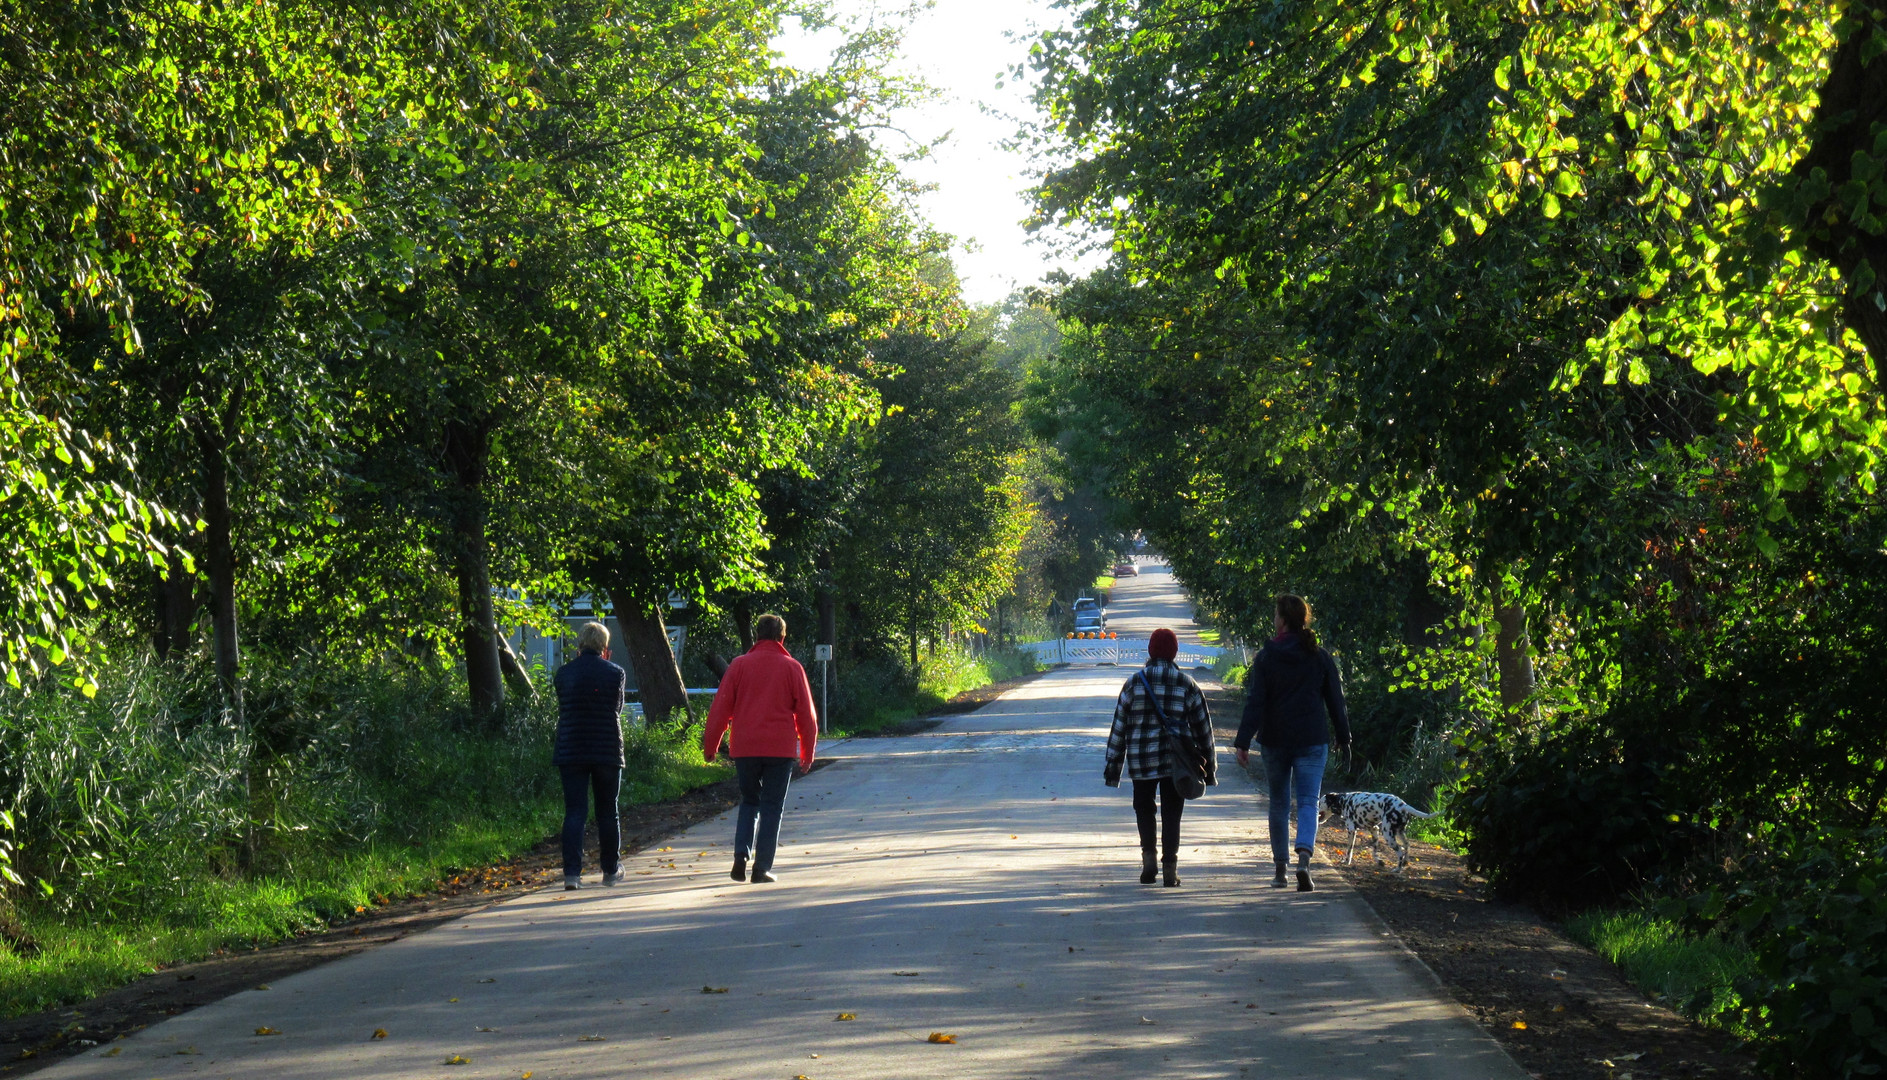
1126	569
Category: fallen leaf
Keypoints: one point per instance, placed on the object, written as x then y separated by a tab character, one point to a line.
450	1000
1630	1057
264	986
487	1029
904	973
378	1033
457	1059
267	1031
1520	1025
1144	1020
1556	974
714	989
1559	1008
488	980
114	1051
846	1016
940	1037
591	1038
526	1076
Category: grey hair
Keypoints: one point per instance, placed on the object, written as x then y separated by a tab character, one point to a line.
592	637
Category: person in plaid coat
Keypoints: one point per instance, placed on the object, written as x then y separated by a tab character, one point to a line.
1137	744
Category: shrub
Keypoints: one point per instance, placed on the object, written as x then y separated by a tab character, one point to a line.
1570	816
1816	917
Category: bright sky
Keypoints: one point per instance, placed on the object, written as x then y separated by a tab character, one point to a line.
960	47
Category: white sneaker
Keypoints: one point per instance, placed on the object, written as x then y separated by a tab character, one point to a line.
571	883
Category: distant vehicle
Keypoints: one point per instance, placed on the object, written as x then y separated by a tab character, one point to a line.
1088	615
1126	569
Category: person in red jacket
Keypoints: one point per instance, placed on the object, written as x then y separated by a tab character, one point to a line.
765	700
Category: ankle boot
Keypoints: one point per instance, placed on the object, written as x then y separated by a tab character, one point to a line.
1148	868
739	873
1303	871
1277	881
1170	865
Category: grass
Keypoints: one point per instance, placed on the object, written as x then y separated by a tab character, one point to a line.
1694	974
77	960
1104	583
874	699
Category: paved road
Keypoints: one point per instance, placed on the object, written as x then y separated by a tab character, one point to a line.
977	881
1142	604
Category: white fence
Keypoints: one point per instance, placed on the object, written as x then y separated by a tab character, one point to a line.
1125	650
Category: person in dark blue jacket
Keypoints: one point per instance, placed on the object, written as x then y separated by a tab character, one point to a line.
1292	696
590	692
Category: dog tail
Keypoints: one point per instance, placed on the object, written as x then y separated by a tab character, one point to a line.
1417	813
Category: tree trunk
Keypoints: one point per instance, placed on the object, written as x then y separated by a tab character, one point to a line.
658	676
743	622
913	641
1512	654
175	602
219	561
468	455
828	618
514	672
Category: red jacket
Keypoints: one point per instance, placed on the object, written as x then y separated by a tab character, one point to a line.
765	699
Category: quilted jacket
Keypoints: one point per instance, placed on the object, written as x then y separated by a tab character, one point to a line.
589	711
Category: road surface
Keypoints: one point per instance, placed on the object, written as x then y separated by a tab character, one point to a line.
977	881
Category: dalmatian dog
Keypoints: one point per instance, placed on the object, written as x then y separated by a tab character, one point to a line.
1379	813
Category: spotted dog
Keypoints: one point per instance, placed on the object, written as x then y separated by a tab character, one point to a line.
1375	811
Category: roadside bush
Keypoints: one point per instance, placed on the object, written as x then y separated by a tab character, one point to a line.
1815	916
1570	816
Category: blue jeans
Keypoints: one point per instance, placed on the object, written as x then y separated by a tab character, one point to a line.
763	783
579	781
1296	776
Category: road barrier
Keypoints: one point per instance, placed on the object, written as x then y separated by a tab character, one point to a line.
1122	650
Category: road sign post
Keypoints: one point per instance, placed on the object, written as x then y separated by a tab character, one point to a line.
823	654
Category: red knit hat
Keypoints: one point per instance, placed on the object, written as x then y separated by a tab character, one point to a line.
1163	645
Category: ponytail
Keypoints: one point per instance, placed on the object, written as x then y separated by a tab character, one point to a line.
1295	613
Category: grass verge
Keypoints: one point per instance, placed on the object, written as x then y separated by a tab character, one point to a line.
875	707
311	885
1695	975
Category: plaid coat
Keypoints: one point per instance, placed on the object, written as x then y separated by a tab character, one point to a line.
1135	740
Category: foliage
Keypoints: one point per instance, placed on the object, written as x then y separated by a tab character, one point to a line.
1815	919
933	534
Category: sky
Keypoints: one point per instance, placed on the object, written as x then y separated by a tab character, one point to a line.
960	48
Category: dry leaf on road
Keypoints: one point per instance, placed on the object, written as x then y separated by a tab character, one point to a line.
846	1016
714	989
940	1037
457	1059
591	1038
378	1033
267	1031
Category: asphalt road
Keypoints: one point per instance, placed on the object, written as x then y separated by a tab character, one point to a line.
977	881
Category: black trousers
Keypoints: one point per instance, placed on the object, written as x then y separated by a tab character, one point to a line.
1172	805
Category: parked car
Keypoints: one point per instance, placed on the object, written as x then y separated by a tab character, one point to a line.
1126	569
1088	615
